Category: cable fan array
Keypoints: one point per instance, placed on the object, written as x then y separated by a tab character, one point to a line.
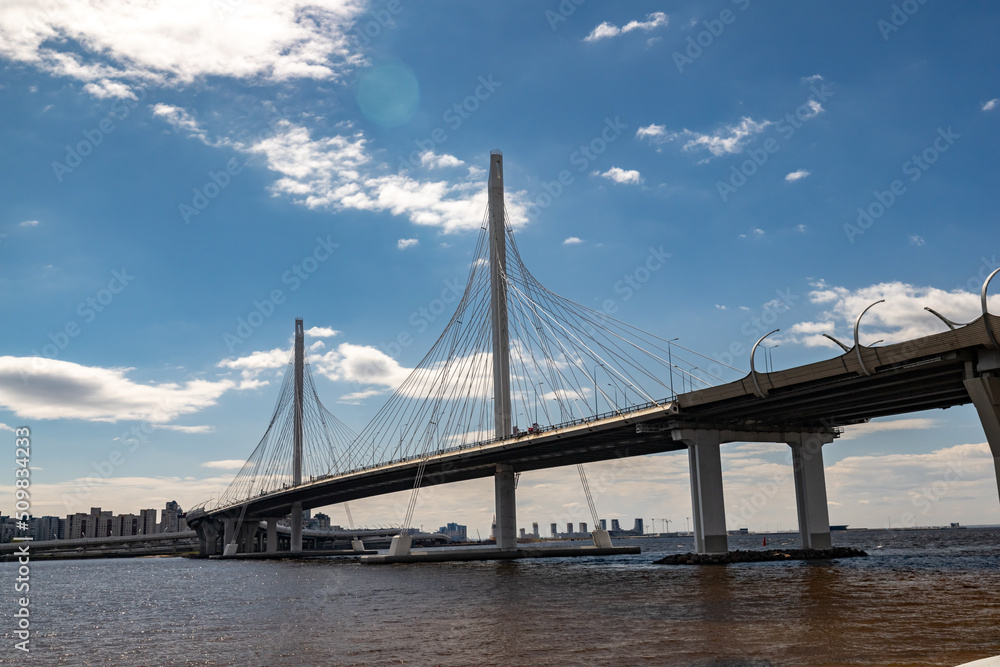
325	443
567	363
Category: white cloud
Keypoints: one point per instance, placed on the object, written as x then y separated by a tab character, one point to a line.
356	397
4	427
187	429
256	363
572	240
104	89
603	31
991	105
226	464
39	388
931	487
796	175
179	119
727	139
902	317
652	131
720	307
29	223
622	176
800	228
607	30
362	364
812	79
112	45
321	332
337	173
917	240
403	244
911	424
429	159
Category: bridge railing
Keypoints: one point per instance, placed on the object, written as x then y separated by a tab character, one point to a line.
639	407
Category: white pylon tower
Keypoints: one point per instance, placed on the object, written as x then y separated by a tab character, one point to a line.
506	505
296	518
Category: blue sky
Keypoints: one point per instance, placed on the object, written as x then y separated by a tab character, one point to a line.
167	170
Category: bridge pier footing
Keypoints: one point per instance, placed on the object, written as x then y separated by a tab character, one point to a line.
708	505
985	394
296	545
810	489
506	507
272	536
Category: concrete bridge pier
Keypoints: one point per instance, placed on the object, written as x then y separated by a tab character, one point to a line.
296	546
247	536
985	394
506	507
208	538
810	489
272	536
708	505
229	537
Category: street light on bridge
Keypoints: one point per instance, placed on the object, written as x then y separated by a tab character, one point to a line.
670	364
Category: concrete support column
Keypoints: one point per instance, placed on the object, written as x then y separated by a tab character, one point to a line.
296	546
708	505
208	538
248	533
229	531
985	394
810	491
506	507
272	536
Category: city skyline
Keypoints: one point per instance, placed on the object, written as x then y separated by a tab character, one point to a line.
171	212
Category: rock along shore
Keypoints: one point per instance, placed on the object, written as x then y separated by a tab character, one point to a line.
760	556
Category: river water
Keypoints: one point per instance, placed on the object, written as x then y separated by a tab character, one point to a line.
921	598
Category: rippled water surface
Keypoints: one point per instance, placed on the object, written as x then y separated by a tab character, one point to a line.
921	598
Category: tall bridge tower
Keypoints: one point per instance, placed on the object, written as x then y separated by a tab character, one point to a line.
506	505
300	355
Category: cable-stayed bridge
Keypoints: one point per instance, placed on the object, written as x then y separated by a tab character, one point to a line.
515	355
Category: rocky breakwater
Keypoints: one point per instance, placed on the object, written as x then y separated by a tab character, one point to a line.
760	556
